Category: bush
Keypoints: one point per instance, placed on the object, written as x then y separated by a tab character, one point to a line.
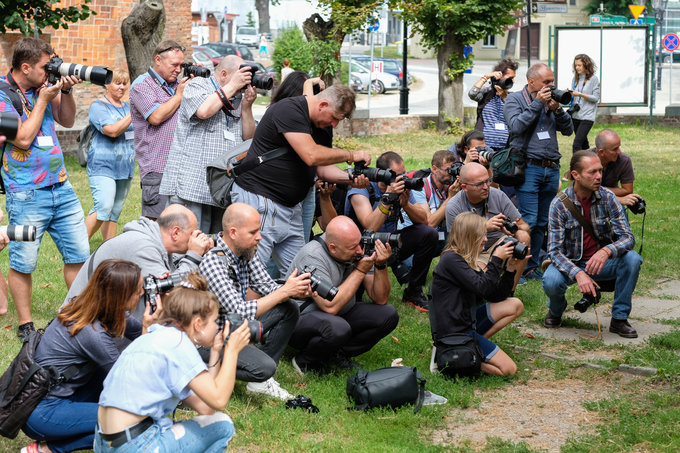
293	45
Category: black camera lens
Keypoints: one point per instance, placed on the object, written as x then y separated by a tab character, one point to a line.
195	70
587	300
561	96
259	80
413	183
323	288
506	84
639	207
519	251
99	75
373	174
254	326
9	125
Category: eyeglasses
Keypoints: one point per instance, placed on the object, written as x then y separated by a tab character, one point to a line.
486	182
171	48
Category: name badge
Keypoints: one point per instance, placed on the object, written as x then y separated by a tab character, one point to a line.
543	135
500	126
229	135
45	140
442	236
129	135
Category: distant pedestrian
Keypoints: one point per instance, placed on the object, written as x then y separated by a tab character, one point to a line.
586	86
263	46
286	69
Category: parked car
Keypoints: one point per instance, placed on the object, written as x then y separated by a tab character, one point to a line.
381	81
247	35
665	56
224	48
246	54
210	53
202	59
391	65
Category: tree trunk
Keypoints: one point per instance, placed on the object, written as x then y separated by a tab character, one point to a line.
450	92
142	30
262	7
315	27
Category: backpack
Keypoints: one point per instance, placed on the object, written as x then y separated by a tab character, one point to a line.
24	384
85	138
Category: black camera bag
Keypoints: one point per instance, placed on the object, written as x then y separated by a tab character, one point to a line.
392	386
459	355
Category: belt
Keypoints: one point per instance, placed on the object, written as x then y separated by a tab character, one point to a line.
545	163
117	439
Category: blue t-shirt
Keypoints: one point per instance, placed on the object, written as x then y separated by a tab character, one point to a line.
437	197
390	225
112	157
152	375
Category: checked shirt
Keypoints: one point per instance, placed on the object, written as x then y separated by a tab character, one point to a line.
229	278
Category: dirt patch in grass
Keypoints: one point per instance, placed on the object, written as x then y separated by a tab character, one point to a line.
541	413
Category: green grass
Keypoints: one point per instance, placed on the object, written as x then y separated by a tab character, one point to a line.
642	414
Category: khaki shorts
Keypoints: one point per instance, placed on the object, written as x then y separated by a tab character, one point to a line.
485	256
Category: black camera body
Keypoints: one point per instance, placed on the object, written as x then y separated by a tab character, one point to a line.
373	174
323	288
369	237
415	183
506	84
510	226
255	326
259	80
639	207
154	285
485	153
561	96
195	70
56	68
454	170
9	125
587	300
519	251
573	109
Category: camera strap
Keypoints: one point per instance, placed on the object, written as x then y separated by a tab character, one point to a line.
161	83
564	198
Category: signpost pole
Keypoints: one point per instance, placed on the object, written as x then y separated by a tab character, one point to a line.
653	85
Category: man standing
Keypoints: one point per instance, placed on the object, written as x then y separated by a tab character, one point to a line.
617	167
534	119
38	190
232	268
201	136
578	256
331	330
155	97
276	187
479	197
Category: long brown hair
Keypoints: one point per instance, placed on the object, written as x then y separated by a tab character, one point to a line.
467	231
182	303
588	65
104	299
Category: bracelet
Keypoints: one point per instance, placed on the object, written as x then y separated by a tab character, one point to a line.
351	157
380	266
357	269
69	91
214	364
383	208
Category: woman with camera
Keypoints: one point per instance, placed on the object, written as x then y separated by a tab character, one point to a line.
585	92
160	369
111	158
459	287
83	336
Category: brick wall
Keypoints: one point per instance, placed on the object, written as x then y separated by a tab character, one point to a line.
364	127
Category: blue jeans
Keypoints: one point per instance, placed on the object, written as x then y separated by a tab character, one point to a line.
534	197
308	208
201	434
109	196
625	269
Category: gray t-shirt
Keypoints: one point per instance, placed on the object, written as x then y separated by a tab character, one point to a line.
497	203
314	254
621	170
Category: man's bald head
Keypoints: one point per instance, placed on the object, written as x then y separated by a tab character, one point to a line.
472	171
342	230
177	215
230	63
605	138
238	215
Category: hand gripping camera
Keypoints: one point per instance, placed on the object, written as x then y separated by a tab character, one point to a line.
56	68
519	251
561	96
587	300
323	288
639	207
254	326
386	176
154	285
259	80
195	70
506	84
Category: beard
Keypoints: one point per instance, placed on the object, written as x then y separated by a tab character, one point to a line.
246	253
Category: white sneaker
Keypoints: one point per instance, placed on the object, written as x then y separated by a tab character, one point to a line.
270	388
434	369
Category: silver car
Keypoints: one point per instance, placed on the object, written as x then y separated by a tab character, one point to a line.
381	81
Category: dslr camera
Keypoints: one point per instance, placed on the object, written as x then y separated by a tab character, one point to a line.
323	288
573	109
154	285
369	237
386	176
259	80
485	153
56	68
639	207
454	170
9	125
506	84
587	300
519	251
510	226
255	326
195	70
561	96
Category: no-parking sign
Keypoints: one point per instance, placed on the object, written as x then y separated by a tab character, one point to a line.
671	42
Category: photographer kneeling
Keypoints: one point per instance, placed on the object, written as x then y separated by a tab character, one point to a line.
83	335
164	368
333	325
458	285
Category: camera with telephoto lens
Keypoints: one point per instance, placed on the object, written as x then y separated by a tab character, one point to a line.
519	251
19	233
9	125
259	80
454	170
485	153
510	226
506	84
369	237
56	68
573	109
195	70
254	326
416	183
154	286
323	288
587	300
639	207
561	96
373	174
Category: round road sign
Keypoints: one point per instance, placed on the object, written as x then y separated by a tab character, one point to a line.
670	42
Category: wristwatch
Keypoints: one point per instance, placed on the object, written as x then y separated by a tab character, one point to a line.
69	91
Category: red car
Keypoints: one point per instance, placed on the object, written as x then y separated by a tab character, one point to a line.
210	53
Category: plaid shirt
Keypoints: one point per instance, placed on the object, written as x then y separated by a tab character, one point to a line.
152	143
197	143
565	233
229	278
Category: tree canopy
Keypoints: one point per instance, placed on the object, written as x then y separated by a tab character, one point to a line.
21	15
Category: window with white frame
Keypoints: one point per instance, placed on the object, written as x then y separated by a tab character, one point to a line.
489	41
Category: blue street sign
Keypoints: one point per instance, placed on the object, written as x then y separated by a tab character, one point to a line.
671	42
636	21
375	26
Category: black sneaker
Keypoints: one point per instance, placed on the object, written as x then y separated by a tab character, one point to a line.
341	361
418	299
24	329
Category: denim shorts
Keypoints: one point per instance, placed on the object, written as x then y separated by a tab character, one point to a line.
55	209
109	196
484	323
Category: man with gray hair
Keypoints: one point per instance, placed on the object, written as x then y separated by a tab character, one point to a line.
534	118
201	136
276	187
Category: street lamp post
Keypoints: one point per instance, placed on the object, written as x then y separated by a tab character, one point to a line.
659	10
403	89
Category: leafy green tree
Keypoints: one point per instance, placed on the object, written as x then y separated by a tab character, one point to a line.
21	15
292	44
446	26
250	21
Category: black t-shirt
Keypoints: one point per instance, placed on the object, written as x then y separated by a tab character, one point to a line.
287	179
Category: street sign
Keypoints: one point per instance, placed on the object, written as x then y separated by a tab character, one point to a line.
377	66
670	42
636	21
636	10
375	25
548	8
597	19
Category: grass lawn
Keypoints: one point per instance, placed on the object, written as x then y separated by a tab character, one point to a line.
639	414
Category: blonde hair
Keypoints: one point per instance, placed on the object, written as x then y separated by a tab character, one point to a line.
120	76
183	303
467	231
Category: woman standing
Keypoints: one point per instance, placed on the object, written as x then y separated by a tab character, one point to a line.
585	90
111	158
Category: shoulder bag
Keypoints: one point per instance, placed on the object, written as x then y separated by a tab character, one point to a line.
387	387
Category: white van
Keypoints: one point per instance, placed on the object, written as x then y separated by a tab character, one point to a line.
247	36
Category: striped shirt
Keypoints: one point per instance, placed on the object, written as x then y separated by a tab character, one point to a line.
495	137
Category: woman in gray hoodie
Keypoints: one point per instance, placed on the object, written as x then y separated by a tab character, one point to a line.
585	90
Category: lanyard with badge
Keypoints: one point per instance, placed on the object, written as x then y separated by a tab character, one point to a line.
228	135
43	140
500	124
542	135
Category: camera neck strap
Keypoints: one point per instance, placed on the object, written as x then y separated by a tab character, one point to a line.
16	95
564	198
160	82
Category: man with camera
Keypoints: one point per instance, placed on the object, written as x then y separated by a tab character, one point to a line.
277	186
201	136
171	244
38	190
617	167
232	268
155	97
502	218
534	117
590	241
384	207
333	325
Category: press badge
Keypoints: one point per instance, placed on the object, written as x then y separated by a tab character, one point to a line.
229	135
442	236
129	135
500	126
543	135
45	140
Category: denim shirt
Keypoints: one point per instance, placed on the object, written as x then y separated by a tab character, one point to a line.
110	156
